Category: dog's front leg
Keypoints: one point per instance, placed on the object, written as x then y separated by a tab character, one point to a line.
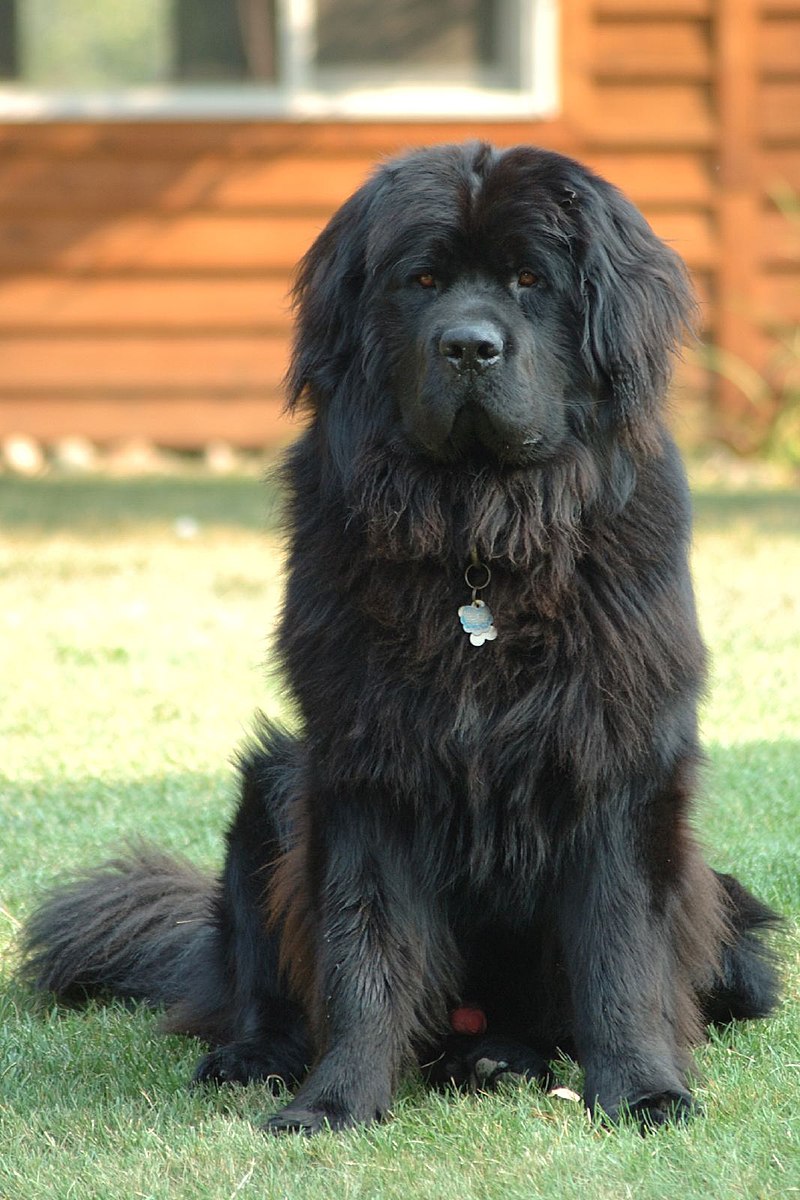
631	1002
380	961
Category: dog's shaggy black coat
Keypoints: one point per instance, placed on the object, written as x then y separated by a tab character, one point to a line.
484	343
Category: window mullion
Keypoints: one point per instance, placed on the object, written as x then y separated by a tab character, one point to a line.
543	77
298	22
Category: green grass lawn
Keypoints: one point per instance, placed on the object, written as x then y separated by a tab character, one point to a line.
134	647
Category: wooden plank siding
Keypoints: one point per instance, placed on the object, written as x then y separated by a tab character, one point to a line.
145	267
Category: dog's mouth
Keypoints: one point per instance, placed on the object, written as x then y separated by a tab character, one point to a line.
475	437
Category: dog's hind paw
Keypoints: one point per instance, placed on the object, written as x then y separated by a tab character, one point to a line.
243	1063
482	1063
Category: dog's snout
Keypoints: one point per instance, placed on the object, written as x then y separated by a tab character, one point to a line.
472	347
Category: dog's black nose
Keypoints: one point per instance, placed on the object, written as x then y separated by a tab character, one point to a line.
472	347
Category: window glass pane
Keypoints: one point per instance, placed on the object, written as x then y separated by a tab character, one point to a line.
93	43
8	40
224	40
411	38
122	43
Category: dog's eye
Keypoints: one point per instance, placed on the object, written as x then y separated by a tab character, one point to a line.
527	279
426	280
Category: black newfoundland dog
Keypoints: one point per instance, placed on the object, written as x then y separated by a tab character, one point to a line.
477	850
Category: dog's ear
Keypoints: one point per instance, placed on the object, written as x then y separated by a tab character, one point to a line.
637	302
327	298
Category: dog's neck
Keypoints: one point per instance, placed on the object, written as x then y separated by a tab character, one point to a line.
411	509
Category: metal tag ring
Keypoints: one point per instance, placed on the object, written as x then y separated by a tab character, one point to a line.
487	577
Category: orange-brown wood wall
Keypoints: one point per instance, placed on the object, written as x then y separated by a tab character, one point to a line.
145	267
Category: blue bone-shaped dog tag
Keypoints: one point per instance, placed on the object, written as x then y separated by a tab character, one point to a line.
476	620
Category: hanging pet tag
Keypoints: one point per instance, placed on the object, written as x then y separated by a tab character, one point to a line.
476	618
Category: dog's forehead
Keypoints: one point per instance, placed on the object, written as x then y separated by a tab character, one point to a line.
426	192
478	194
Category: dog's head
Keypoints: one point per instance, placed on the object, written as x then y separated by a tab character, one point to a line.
491	306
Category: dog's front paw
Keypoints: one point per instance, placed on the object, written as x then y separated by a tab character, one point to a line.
300	1120
652	1110
663	1108
308	1121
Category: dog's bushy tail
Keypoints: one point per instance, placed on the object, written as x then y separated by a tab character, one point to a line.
138	927
747	983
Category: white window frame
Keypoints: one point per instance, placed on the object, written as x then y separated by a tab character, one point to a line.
296	98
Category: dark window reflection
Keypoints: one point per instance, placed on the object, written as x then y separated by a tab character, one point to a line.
391	33
224	40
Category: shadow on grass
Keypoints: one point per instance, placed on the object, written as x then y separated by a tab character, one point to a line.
53	827
99	505
771	512
749	818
